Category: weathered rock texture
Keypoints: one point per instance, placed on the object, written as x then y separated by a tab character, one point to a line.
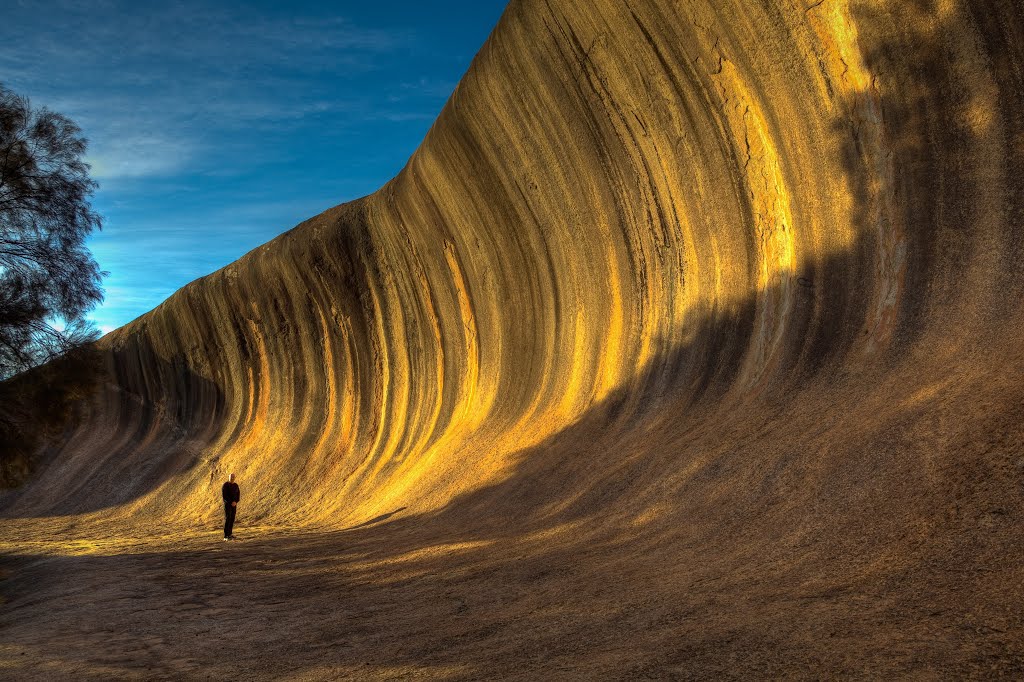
735	285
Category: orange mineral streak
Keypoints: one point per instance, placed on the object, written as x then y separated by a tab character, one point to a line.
714	280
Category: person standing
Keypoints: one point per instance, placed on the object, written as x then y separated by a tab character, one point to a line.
231	496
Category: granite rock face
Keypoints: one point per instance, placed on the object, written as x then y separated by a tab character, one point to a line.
755	251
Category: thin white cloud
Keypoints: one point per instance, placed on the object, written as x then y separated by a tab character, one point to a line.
399	116
138	155
429	87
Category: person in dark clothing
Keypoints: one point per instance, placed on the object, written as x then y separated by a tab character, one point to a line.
231	496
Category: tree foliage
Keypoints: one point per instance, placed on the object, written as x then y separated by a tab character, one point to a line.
48	279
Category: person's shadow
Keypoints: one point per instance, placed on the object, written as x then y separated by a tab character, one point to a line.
377	519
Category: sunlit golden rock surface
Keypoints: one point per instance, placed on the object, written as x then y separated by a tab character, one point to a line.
700	319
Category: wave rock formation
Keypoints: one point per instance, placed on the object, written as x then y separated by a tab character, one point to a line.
729	287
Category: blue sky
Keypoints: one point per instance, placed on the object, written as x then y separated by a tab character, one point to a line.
214	127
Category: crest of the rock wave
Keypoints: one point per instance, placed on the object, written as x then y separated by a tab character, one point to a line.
746	271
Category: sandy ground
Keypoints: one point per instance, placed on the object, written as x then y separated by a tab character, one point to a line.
398	600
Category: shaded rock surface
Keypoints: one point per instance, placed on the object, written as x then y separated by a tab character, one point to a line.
687	344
